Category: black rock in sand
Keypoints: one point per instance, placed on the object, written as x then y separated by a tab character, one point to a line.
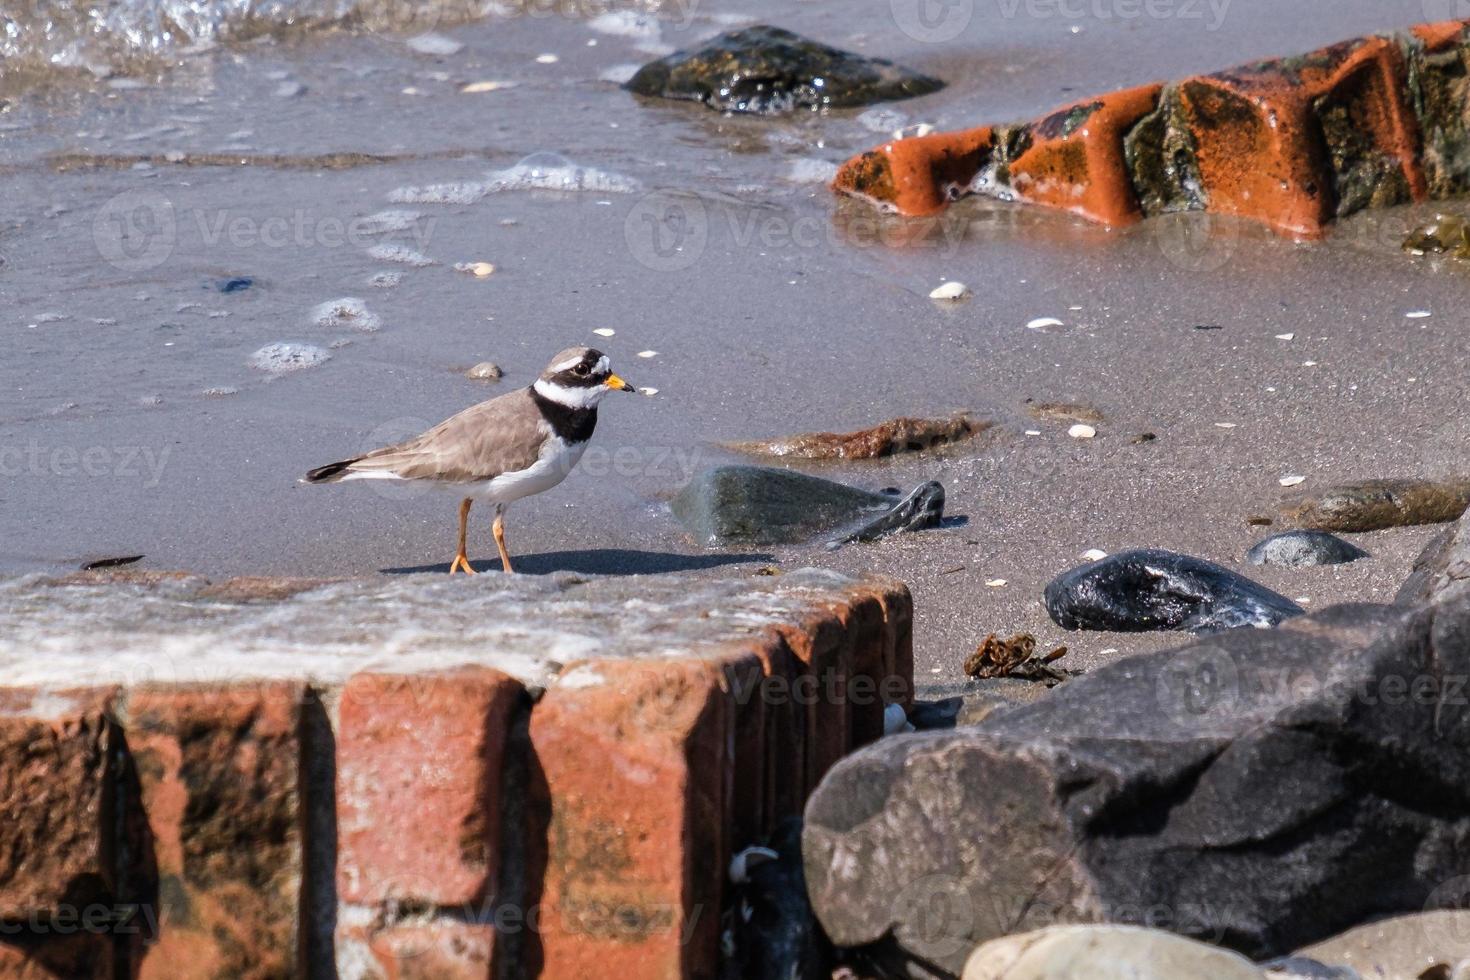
922	509
1303	549
761	505
1151	589
764	69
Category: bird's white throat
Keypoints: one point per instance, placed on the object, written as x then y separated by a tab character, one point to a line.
570	397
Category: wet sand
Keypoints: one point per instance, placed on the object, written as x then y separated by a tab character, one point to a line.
781	309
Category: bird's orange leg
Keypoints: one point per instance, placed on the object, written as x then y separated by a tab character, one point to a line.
500	540
460	561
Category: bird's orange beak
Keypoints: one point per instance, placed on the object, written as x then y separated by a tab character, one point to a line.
618	384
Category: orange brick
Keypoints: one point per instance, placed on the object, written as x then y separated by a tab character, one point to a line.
1075	160
1441	35
57	773
634	780
218	775
916	176
419	759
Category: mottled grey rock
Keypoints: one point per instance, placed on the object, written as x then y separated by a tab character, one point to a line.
1303	549
1152	589
768	70
1303	968
1105	953
759	505
1442	568
1261	789
1408	947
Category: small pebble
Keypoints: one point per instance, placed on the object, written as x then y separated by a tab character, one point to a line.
485	371
1224	425
289	90
480	270
547	59
1292	481
605	331
648	353
1094	554
1080	431
1286	336
475	88
1033	432
434	44
649	392
1042	322
1418	314
995	583
950	291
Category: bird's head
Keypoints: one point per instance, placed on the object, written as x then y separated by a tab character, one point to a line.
578	377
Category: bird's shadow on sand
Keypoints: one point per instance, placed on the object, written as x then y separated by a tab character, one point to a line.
600	561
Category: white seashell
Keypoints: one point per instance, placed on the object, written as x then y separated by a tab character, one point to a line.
1286	336
480	270
950	291
1292	481
1224	425
1418	314
547	59
650	392
1042	322
648	353
1094	554
1033	432
1080	431
475	88
741	863
604	331
995	583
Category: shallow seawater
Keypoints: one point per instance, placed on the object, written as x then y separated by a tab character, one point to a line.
341	164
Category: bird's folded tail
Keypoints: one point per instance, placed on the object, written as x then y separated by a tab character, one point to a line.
331	473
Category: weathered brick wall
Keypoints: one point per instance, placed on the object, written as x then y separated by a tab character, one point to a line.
1293	143
413	779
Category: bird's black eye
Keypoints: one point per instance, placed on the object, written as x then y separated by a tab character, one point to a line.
581	370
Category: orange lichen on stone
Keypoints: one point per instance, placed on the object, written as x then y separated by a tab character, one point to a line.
1076	162
916	175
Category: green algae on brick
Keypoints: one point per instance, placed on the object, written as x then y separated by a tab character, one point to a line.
1439	87
768	70
1160	154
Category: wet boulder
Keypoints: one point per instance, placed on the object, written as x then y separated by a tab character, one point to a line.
760	505
768	70
1373	505
919	511
1260	790
1152	589
900	435
1303	549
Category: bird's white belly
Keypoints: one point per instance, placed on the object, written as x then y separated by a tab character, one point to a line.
556	461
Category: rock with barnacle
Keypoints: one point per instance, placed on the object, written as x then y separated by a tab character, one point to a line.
1152	589
767	70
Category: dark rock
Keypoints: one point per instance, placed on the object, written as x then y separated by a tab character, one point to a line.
1377	504
757	505
116	562
234	284
1302	549
1261	790
768	929
928	716
900	435
1151	589
768	70
1442	569
920	510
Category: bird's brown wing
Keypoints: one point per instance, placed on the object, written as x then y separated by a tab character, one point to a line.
502	435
